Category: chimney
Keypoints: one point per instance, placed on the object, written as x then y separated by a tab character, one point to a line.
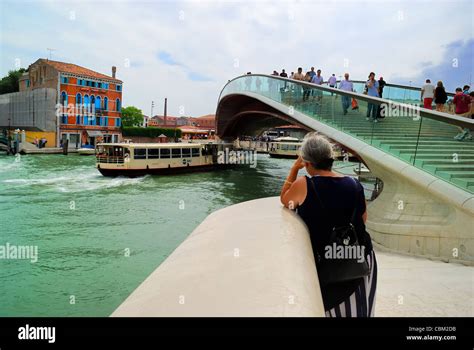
114	70
165	111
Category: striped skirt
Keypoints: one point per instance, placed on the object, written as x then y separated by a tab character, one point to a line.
361	303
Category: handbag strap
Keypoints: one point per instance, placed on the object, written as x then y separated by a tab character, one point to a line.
321	202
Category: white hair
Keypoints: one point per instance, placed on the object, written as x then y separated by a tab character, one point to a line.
317	150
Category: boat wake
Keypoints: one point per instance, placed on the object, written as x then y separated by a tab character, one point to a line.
73	182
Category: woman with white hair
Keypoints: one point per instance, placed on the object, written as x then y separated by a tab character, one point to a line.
330	203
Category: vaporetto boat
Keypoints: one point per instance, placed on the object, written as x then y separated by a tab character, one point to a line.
138	159
285	147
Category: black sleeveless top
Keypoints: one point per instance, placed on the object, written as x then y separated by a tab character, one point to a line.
339	195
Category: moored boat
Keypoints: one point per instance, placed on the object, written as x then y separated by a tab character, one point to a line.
86	151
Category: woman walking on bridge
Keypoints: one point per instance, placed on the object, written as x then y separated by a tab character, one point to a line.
333	206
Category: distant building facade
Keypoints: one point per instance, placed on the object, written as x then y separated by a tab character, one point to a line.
191	127
207	122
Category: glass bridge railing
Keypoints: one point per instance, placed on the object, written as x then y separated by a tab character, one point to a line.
418	136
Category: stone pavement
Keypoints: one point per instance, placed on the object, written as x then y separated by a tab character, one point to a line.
410	286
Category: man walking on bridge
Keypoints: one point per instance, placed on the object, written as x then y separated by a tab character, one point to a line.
427	94
346	85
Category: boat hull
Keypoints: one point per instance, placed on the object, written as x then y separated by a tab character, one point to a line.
288	156
160	171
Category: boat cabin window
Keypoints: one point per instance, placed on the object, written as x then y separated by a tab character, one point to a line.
114	151
139	153
176	153
153	153
186	152
195	152
164	153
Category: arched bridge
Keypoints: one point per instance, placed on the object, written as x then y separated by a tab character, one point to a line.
427	205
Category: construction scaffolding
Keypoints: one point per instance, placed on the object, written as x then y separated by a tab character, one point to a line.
33	110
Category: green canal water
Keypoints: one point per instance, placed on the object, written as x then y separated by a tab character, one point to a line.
98	238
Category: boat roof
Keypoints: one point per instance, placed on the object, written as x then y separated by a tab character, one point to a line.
287	139
158	145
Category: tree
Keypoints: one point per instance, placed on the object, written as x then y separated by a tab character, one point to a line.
132	116
10	83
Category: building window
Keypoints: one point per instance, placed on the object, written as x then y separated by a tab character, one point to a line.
78	99
78	119
86	120
117	121
119	87
106	85
97	103
106	121
64	119
64	80
98	120
64	98
106	102
27	83
86	100
117	104
88	83
93	83
99	85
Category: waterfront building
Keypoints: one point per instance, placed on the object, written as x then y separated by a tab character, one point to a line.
62	101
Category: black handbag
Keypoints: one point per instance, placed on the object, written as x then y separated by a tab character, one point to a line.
342	239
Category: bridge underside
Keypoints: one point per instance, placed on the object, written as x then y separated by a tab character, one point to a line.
244	115
417	213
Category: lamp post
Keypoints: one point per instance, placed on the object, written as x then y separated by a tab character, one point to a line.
151	114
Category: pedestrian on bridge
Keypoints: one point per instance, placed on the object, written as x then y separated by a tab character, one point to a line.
346	85
462	102
440	96
427	94
372	87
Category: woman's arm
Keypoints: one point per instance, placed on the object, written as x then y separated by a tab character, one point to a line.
293	191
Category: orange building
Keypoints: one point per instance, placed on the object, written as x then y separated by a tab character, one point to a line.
88	103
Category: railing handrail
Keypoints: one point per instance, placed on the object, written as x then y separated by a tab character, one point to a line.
425	113
109	159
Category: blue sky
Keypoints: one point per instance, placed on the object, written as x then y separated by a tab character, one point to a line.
187	51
